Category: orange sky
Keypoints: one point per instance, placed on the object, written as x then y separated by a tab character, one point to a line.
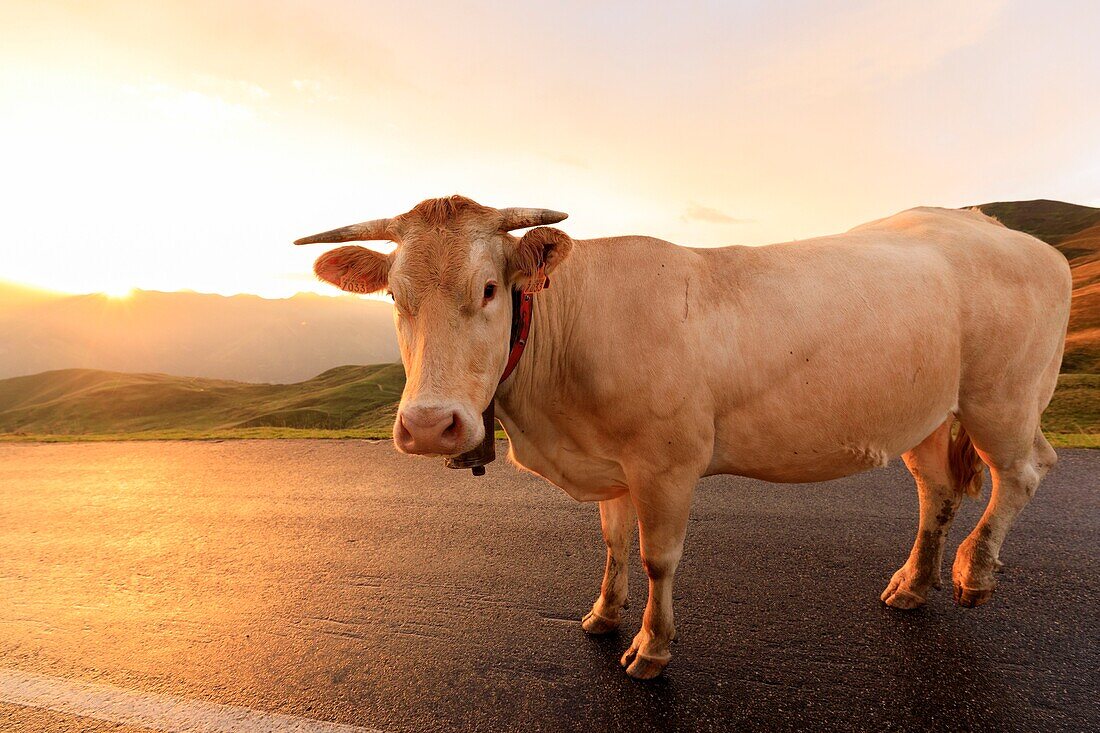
183	145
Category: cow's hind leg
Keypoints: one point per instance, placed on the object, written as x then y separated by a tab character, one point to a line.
939	498
1017	466
617	521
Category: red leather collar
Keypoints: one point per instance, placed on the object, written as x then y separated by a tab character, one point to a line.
523	303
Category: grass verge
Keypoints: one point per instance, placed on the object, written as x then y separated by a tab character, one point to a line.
1058	440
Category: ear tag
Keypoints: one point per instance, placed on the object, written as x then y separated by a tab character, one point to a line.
539	281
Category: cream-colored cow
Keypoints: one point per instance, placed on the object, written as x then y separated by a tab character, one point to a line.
650	365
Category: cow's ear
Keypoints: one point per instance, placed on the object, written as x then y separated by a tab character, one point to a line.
541	249
355	269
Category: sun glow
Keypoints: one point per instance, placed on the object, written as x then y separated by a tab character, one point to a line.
118	293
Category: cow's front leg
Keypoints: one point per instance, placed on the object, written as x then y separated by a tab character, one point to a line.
663	507
617	521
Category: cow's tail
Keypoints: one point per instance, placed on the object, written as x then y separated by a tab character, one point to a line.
965	463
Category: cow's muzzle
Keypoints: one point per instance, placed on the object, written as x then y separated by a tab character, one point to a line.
443	430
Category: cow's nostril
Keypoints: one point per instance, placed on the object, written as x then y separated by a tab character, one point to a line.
451	431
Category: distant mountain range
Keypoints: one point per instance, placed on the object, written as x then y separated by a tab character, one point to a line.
252	339
243	337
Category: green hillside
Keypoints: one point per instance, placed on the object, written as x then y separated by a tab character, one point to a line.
1075	409
84	402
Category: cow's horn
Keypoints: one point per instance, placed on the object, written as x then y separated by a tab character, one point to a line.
364	232
516	218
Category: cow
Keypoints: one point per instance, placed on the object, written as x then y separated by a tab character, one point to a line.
934	334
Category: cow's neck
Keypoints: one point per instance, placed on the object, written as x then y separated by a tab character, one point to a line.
544	367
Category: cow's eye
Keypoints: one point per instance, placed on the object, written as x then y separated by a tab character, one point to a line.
490	291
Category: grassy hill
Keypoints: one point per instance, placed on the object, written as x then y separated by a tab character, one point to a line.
86	403
1051	221
1083	340
1073	416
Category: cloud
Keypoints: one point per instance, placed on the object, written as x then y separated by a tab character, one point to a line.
569	160
187	106
698	212
239	91
313	89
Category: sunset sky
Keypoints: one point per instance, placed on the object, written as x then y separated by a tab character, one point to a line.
183	145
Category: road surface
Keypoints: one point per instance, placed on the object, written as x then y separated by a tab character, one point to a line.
304	582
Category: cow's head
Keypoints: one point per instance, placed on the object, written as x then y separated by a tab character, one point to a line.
450	278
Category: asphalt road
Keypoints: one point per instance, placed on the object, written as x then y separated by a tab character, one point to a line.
339	581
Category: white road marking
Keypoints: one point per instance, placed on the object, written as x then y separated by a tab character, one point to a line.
150	710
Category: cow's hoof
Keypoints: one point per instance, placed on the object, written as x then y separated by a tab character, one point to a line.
596	624
901	593
971	597
902	599
641	667
646	668
975	564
